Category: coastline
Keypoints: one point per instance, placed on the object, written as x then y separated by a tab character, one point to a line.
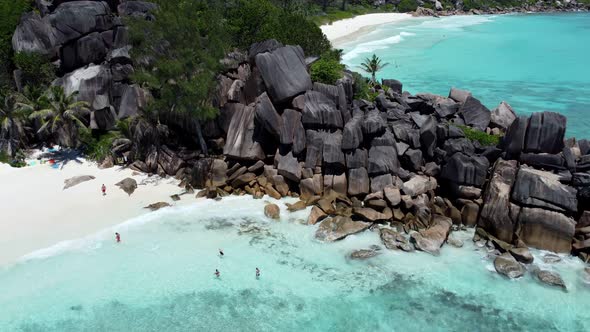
38	213
345	30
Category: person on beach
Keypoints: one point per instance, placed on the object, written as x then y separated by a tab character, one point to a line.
104	190
217	274
257	273
221	253
118	237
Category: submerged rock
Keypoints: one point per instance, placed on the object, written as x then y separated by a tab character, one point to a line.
68	183
364	254
157	206
339	227
551	258
394	240
551	278
272	211
506	264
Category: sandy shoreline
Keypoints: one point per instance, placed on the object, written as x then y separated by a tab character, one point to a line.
343	31
37	213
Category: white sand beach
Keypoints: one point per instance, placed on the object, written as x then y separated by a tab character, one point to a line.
347	30
36	212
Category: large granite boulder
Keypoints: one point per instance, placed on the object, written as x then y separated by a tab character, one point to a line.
284	72
290	127
241	142
358	181
128	185
475	113
69	21
502	116
395	85
459	95
373	123
466	169
339	227
495	215
539	133
332	150
428	136
264	46
352	135
545	229
268	117
550	278
133	100
320	112
418	185
431	239
289	167
356	158
383	160
543	189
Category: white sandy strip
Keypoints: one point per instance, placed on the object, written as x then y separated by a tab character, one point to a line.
345	30
35	211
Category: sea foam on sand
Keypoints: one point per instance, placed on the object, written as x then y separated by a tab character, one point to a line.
344	30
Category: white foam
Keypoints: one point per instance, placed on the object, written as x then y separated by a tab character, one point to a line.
380	44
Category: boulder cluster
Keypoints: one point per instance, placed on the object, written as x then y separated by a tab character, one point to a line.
401	162
88	42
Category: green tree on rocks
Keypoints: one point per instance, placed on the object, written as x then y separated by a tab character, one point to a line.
372	66
12	125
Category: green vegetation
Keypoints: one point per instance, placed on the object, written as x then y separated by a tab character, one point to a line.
251	21
407	6
328	68
12	125
63	115
482	137
372	66
98	147
37	71
11	12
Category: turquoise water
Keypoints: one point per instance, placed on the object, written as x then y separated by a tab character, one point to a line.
534	62
160	278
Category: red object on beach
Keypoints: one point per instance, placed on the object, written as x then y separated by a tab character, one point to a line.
51	161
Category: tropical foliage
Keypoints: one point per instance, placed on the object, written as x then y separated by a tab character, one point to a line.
372	66
328	68
62	117
12	125
482	137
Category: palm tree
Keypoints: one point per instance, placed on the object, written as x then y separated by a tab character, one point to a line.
63	115
12	125
372	66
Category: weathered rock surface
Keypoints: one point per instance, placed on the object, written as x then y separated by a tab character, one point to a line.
522	255
506	264
419	185
551	278
475	114
431	239
272	211
157	206
543	189
545	229
241	141
339	227
128	185
284	72
76	180
502	116
363	254
394	240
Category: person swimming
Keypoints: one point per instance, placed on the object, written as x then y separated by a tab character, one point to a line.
221	253
118	237
257	273
217	274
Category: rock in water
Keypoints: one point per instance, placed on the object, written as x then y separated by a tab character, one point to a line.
339	227
315	215
522	255
363	254
394	240
551	258
128	185
551	278
68	183
431	239
457	243
272	211
157	206
506	264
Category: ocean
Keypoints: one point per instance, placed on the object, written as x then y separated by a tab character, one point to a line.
161	278
535	62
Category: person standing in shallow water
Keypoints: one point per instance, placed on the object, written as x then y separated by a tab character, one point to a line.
217	274
257	273
221	253
104	190
118	237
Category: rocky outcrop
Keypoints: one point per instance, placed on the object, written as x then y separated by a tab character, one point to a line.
432	239
241	142
128	185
